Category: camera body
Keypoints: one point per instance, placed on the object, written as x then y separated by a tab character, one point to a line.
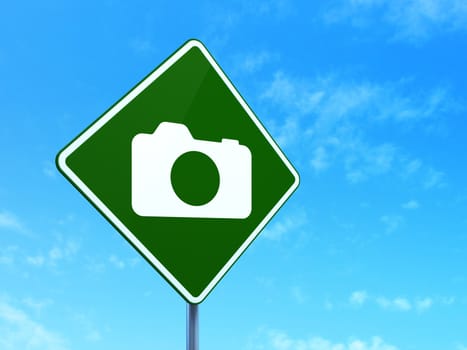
152	158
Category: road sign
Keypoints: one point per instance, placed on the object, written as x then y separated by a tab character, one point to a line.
183	169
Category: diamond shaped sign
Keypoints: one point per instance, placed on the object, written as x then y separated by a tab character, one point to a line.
183	169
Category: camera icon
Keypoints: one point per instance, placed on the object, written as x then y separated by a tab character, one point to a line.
175	175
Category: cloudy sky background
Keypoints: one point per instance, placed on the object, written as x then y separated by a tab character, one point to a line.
368	98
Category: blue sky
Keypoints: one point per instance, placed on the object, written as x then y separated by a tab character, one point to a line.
368	99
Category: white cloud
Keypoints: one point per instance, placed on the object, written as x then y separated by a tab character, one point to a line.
36	305
115	261
412	204
280	228
418	19
10	222
252	62
424	304
36	260
361	297
334	100
6	260
319	160
399	304
65	251
7	255
288	132
20	331
279	340
392	222
384	302
413	166
402	304
298	295
328	305
408	20
329	118
293	93
95	266
448	300
358	297
93	335
429	177
367	161
434	179
120	263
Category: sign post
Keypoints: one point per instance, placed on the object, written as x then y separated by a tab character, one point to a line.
192	327
184	170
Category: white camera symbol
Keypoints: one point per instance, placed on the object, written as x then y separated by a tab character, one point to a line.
152	158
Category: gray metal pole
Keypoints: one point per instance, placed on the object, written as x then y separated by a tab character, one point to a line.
192	327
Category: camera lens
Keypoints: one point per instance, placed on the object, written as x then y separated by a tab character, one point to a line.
195	178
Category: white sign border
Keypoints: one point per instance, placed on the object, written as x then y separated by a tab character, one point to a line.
67	151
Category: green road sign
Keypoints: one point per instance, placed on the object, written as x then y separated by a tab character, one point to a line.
183	169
